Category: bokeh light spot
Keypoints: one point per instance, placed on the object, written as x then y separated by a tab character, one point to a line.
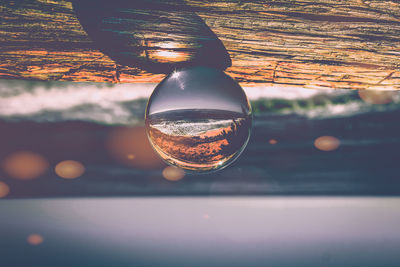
327	143
35	239
69	169
4	189
173	173
273	141
131	156
376	96
130	146
25	165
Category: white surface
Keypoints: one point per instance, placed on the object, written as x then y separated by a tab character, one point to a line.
243	231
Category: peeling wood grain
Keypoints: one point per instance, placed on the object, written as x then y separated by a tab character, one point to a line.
349	44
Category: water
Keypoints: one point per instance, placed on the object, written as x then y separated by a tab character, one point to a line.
200	140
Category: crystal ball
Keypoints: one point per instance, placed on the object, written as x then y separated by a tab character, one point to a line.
198	119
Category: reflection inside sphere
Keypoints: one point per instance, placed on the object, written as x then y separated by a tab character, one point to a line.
198	119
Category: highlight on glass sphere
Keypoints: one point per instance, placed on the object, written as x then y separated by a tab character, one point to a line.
198	119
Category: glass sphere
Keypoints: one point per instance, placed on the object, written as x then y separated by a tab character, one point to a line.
198	119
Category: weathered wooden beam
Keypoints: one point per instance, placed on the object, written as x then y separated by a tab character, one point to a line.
352	44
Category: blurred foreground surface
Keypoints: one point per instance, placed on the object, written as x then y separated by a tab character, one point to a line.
242	231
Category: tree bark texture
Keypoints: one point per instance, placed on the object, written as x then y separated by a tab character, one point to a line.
347	44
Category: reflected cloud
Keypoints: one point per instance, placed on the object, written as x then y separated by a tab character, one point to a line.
130	146
327	143
4	189
69	169
25	165
173	173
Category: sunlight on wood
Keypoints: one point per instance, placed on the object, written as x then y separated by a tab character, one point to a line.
324	44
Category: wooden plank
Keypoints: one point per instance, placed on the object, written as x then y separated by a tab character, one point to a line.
350	44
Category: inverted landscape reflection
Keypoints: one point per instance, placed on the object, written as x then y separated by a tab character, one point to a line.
198	119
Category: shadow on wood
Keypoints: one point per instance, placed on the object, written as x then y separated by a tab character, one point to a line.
156	36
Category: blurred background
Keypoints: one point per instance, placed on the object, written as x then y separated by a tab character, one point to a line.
88	139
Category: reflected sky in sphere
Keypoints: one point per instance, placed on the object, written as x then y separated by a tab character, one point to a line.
198	119
198	88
